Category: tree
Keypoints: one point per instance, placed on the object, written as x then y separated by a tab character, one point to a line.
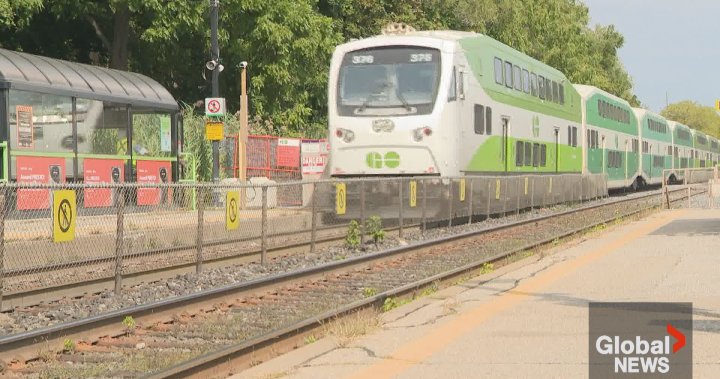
694	115
16	13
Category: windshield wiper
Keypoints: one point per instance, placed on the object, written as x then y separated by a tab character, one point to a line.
403	100
374	93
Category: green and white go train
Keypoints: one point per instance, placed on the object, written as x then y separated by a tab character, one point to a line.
448	103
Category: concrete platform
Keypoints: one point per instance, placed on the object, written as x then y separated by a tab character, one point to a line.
531	319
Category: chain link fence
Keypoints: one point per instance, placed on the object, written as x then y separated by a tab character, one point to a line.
51	236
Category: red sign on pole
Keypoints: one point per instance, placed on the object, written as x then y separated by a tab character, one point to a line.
97	171
38	170
288	152
153	172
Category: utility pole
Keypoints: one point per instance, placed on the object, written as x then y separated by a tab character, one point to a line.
215	56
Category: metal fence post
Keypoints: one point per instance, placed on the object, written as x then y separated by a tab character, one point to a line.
362	213
313	218
3	214
200	228
517	197
487	206
450	203
263	238
532	194
424	206
119	239
470	203
400	220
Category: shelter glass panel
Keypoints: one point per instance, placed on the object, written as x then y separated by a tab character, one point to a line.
151	134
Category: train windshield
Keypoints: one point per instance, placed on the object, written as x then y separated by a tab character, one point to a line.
389	81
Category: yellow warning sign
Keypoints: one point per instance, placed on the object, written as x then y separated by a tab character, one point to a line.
214	130
462	190
340	198
413	194
64	215
497	189
526	185
550	189
232	210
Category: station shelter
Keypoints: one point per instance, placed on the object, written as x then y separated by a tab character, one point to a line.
66	122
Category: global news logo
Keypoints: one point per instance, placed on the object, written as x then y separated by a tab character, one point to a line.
640	355
640	340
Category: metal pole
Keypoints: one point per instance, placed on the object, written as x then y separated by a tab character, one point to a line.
470	203
313	220
215	56
450	204
263	240
200	228
424	206
400	220
362	213
487	206
119	240
517	197
532	195
3	214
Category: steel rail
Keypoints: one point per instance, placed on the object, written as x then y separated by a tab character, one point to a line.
210	360
56	332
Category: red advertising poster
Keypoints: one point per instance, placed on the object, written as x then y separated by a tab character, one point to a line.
38	170
97	171
288	153
149	172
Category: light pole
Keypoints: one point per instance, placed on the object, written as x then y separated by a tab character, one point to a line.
215	57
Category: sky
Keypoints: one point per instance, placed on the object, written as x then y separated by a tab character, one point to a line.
671	47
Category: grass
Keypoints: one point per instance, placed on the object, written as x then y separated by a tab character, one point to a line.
369	292
349	328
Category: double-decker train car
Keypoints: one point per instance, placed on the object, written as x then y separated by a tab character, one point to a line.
452	104
656	138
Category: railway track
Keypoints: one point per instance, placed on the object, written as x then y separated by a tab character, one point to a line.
191	335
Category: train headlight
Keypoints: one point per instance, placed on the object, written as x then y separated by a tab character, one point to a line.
419	133
345	135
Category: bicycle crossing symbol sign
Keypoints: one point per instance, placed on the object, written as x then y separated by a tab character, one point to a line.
413	194
64	215
340	198
232	217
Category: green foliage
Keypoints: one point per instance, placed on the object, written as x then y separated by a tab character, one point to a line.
390	304
694	115
486	268
352	238
369	291
129	323
288	44
374	229
69	345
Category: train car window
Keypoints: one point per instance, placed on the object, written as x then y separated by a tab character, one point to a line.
536	155
498	70
533	84
508	75
569	136
669	151
556	92
543	155
589	139
528	153
575	136
519	150
526	81
548	90
461	85
452	89
562	94
541	86
479	119
488	120
517	79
